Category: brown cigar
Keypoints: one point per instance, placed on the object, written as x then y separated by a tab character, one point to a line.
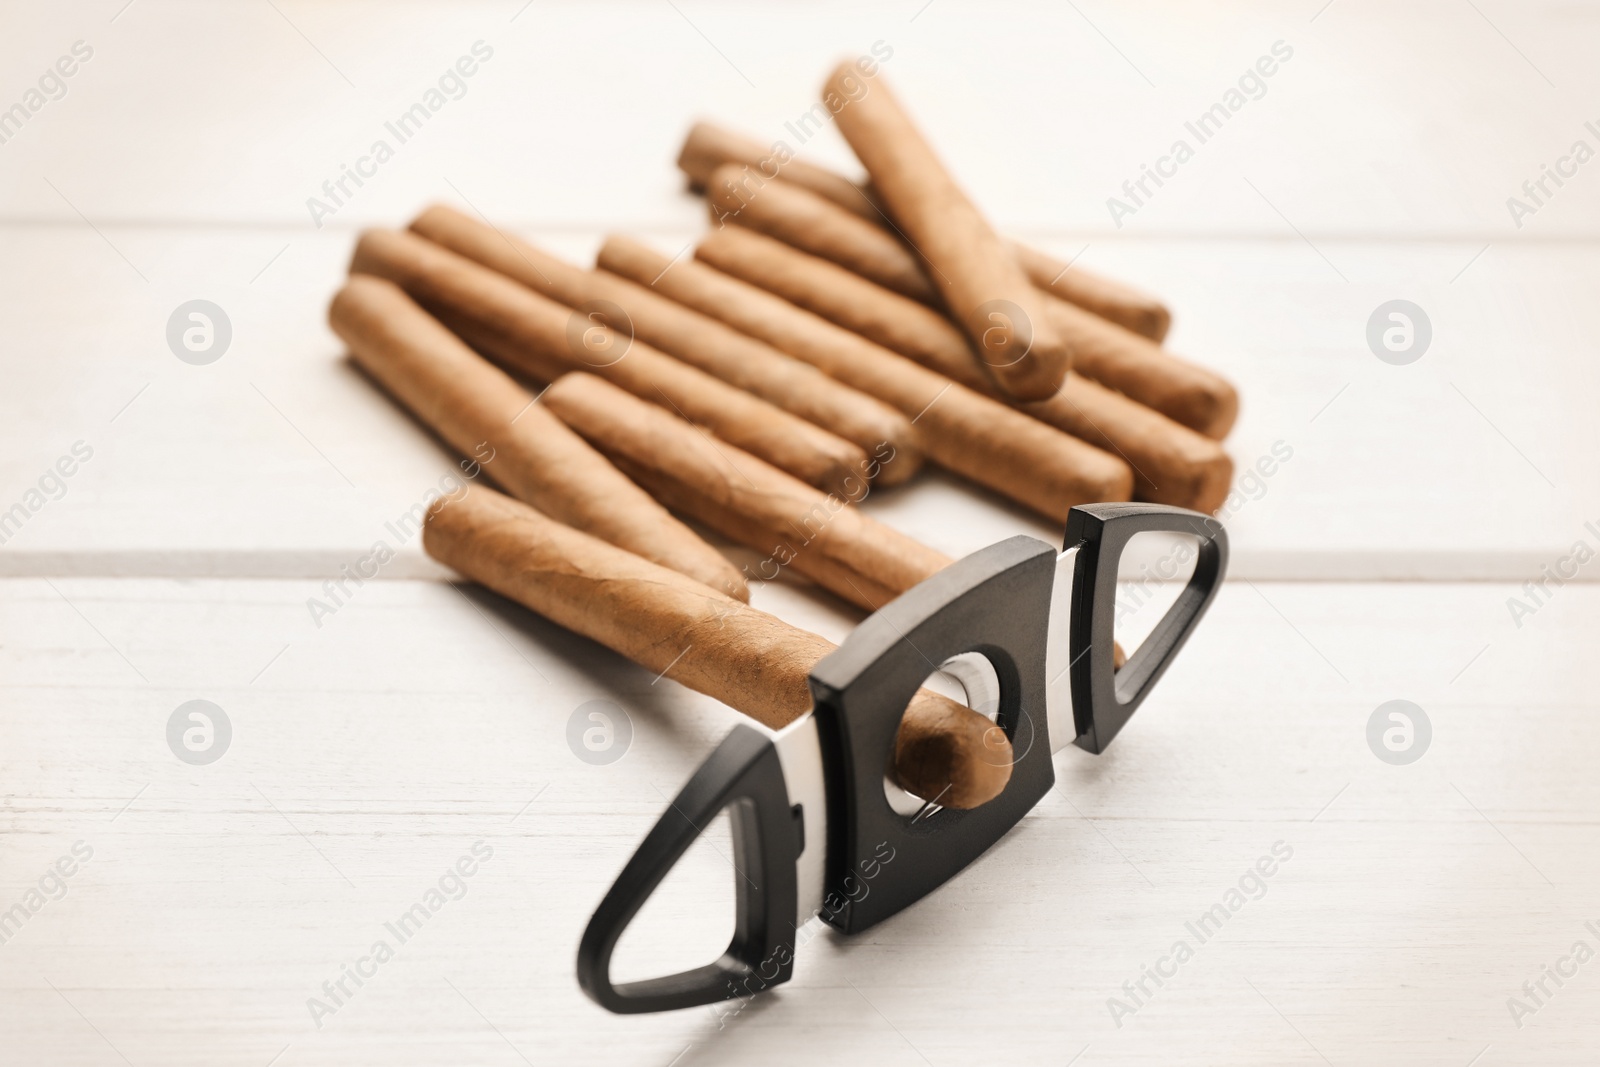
799	217
689	632
820	536
540	338
962	430
1122	360
482	413
976	274
1113	356
1171	463
708	147
817	534
1110	300
725	353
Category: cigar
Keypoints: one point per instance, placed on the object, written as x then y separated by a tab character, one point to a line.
793	525
1122	360
1171	463
691	633
541	339
797	216
480	412
962	430
976	274
708	147
1114	356
741	361
858	558
1110	300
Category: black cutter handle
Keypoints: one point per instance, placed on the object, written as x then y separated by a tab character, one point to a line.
745	776
1103	697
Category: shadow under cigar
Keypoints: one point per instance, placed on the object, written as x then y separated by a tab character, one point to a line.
613	676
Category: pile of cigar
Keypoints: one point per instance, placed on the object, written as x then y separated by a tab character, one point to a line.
827	337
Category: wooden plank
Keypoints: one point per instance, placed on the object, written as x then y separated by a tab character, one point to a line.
280	460
374	752
1417	119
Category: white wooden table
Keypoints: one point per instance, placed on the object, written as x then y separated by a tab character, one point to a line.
208	904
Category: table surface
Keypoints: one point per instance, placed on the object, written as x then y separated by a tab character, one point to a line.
426	721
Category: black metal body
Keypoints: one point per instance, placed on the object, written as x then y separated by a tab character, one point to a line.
995	602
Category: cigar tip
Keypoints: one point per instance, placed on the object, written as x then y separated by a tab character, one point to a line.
963	761
722	182
368	250
688	161
1227	411
845	66
618	251
899	468
339	306
437	212
1156	320
1214	483
359	285
359	292
977	781
432	531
